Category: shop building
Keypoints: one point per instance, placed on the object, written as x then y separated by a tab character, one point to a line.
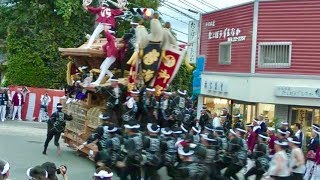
263	58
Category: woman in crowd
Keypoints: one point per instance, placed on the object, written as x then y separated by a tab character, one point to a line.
297	162
279	169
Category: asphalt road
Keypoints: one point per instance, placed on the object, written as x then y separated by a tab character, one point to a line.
22	145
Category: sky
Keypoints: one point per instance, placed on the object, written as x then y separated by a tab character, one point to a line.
179	22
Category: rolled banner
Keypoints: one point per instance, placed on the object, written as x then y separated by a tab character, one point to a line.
150	61
168	69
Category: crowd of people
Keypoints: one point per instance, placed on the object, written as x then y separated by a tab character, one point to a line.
49	171
141	133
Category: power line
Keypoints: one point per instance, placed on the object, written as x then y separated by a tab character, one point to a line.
180	31
208	4
192	6
190	10
177	10
173	17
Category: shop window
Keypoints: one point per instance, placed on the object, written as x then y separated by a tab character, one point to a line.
225	53
267	110
275	55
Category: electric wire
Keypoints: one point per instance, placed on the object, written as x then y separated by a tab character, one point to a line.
192	6
173	17
179	31
208	4
190	10
178	11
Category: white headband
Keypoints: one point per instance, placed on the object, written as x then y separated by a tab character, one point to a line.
271	129
264	137
112	130
195	130
284	123
232	131
132	127
134	92
205	136
103	117
150	89
316	131
6	168
238	115
163	131
242	130
181	152
59	106
103	174
149	127
282	132
182	93
168	93
295	142
281	143
30	177
184	129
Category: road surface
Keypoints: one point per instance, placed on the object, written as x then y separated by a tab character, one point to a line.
22	145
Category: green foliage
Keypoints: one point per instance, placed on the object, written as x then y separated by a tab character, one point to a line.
183	80
34	33
35	29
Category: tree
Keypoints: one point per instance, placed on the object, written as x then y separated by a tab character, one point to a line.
35	29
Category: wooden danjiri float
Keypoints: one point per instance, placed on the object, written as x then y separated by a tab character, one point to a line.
153	60
85	112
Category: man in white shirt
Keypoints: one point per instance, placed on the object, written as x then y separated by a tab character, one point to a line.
45	100
215	121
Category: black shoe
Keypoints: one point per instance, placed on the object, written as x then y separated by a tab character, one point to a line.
44	153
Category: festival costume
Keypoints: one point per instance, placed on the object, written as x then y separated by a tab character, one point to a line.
17	101
111	53
311	150
4	98
115	98
260	156
152	145
164	111
56	126
133	147
106	17
149	105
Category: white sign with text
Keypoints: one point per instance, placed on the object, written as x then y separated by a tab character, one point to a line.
304	92
193	31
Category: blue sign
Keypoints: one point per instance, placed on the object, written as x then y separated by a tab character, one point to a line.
196	83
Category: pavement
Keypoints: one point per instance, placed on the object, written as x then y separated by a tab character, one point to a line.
22	145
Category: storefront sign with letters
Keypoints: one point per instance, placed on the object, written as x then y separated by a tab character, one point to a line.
304	92
215	86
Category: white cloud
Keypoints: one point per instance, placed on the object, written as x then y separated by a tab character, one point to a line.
179	21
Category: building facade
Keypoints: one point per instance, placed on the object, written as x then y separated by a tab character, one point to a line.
262	58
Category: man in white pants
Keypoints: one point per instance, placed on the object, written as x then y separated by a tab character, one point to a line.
3	104
111	52
17	101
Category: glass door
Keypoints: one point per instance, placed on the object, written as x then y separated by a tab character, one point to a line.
304	116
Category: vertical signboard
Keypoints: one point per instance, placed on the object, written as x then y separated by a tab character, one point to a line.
197	75
193	40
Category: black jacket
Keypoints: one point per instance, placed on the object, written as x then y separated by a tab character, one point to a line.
313	144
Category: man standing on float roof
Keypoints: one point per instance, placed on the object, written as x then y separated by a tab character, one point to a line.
56	126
